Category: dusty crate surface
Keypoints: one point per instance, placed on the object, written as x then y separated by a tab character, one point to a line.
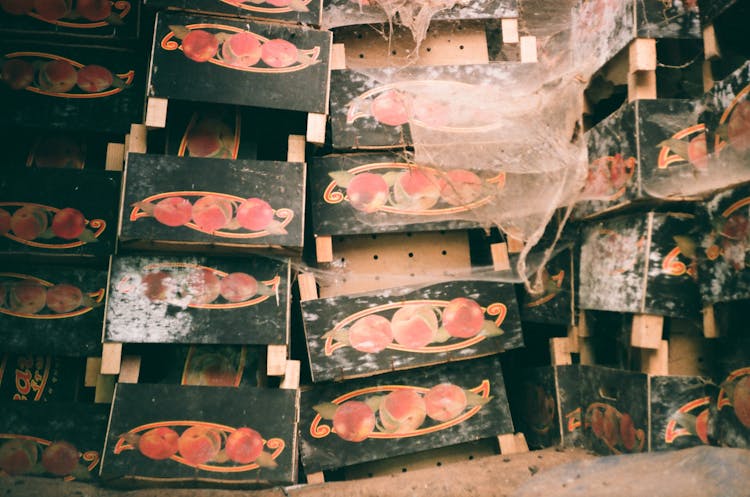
241	203
171	434
290	68
179	299
680	408
554	305
299	11
354	436
362	335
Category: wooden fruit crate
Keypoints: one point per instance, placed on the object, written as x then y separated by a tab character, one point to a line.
679	412
534	405
298	11
724	45
726	122
169	434
40	378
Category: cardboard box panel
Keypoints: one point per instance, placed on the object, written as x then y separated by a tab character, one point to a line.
362	335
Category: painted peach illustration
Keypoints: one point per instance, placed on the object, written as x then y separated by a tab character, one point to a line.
367	192
610	427
414	326
402	411
354	420
5	219
238	287
199	444
701	426
17	7
18	456
597	422
57	76
59	151
94	78
156	285
68	223
538	408
60	458
212	370
697	151
370	334
63	298
463	318
627	432
173	211
158	443
242	50
445	401
254	214
52	10
94	10
244	445
200	45
741	400
18	73
28	222
279	53
210	138
203	286
738	127
416	190
211	213
460	186
27	297
391	108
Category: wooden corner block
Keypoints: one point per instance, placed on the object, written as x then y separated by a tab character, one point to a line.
338	56
559	352
130	369
316	128
111	358
582	327
137	139
646	331
276	362
308	289
573	344
656	362
710	325
291	376
296	149
586	352
156	112
323	248
710	43
642	86
642	55
708	76
509	28
515	245
500	256
105	389
512	443
528	49
316	478
115	157
93	367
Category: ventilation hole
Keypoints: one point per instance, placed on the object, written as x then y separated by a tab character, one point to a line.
411	274
442	232
408	233
377	278
444	252
393	52
428	49
359	36
460	28
403	470
411	254
370	475
361	56
460	47
343	260
375	257
471	457
374	236
438	464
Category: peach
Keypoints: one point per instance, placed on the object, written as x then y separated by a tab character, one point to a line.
627	432
158	443
697	151
200	45
278	53
738	127
213	370
27	297
597	423
203	286
211	213
238	287
391	108
610	427
28	222
254	214
431	112
463	318
199	444
94	10
17	7
18	456
244	445
241	50
210	138
64	298
445	401
370	334
460	186
741	400
173	211
52	10
60	458
68	223
5	218
416	190
402	411
58	151
353	421
94	79
414	326
701	426
18	73
539	407
156	285
367	192
58	76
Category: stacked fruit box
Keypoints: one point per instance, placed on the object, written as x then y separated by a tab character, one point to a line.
72	80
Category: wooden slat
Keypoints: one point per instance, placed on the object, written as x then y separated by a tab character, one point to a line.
156	112
296	148
93	368
656	362
276	365
573	340
559	353
515	245
500	257
338	56
115	157
528	49
642	86
646	332
323	248
708	76
642	55
583	329
111	358
316	478
509	29
710	325
316	128
130	369
105	388
137	139
512	443
586	351
710	43
291	376
308	289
